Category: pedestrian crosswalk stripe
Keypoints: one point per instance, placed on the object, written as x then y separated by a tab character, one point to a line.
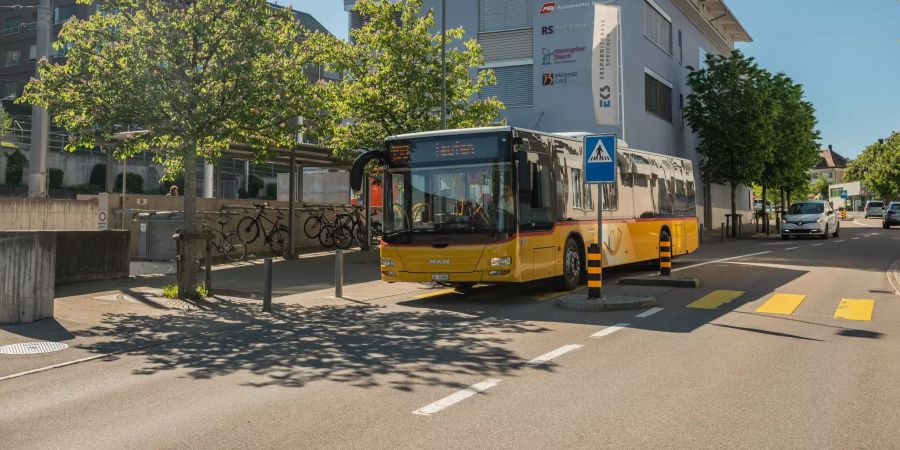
855	309
782	304
715	299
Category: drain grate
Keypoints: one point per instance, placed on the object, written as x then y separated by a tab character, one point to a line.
32	348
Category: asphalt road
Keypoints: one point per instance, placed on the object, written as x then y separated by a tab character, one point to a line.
504	368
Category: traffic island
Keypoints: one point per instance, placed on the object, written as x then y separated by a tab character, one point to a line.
580	302
661	280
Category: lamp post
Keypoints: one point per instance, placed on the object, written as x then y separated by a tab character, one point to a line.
443	64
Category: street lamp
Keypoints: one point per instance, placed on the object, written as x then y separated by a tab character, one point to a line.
443	64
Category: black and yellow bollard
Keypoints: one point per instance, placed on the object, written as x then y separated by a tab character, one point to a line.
665	255
595	272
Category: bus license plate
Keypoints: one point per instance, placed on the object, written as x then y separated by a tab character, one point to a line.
440	277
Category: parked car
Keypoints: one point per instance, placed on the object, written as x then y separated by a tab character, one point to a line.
874	208
810	218
891	215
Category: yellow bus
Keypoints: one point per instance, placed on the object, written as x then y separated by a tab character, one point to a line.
509	205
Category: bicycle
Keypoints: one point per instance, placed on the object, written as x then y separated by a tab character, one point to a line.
356	221
230	244
276	237
315	223
336	236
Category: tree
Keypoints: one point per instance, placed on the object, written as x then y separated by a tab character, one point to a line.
819	187
879	167
392	78
196	75
730	111
794	147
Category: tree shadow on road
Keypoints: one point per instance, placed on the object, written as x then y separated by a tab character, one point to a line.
362	345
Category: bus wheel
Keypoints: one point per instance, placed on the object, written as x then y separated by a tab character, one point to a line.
572	266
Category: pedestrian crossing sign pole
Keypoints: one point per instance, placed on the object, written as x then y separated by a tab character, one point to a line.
599	168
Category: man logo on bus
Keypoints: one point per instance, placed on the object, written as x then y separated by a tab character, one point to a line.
548	8
599	154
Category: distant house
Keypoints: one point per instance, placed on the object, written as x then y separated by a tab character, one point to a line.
831	166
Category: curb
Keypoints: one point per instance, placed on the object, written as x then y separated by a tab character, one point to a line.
580	302
660	280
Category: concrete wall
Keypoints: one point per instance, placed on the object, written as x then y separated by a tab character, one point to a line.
91	255
27	276
30	214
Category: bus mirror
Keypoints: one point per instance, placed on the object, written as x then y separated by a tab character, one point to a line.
524	168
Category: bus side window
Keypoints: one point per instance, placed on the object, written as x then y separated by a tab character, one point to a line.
536	209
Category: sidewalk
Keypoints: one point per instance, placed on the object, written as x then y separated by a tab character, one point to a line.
105	318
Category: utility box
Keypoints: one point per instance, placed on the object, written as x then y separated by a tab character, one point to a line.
156	230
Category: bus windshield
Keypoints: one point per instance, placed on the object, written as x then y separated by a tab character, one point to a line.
449	189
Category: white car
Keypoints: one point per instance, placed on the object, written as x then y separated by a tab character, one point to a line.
810	218
874	208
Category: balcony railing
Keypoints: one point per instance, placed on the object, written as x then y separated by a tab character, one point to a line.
9	31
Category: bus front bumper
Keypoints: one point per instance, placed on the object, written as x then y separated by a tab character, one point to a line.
493	276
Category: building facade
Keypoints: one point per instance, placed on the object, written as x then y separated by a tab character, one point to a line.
18	39
541	53
831	166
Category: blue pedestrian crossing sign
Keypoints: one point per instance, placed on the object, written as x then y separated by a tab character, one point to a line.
600	158
844	194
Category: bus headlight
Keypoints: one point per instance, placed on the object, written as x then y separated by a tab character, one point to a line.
504	261
389	273
387	262
495	273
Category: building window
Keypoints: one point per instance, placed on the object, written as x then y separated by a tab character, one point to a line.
702	55
514	85
658	26
498	15
12	58
32	52
63	13
657	95
681	110
9	89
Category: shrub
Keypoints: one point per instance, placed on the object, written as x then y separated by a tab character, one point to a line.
253	186
87	188
14	168
98	175
134	183
56	178
171	291
271	191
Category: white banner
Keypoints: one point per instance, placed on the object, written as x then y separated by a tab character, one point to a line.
605	65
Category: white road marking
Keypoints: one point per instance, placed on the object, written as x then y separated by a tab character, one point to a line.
839	240
610	330
816	245
649	312
720	260
792	248
546	357
854	238
457	397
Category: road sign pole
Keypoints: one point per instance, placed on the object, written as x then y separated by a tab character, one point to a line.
595	287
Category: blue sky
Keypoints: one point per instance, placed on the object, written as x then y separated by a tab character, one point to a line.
846	55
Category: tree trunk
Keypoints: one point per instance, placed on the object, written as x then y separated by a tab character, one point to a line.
707	200
765	213
189	266
733	210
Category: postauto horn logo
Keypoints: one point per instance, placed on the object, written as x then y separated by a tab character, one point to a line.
548	8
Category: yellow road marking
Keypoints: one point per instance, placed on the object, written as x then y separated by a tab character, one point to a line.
782	304
855	309
436	293
551	295
715	299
